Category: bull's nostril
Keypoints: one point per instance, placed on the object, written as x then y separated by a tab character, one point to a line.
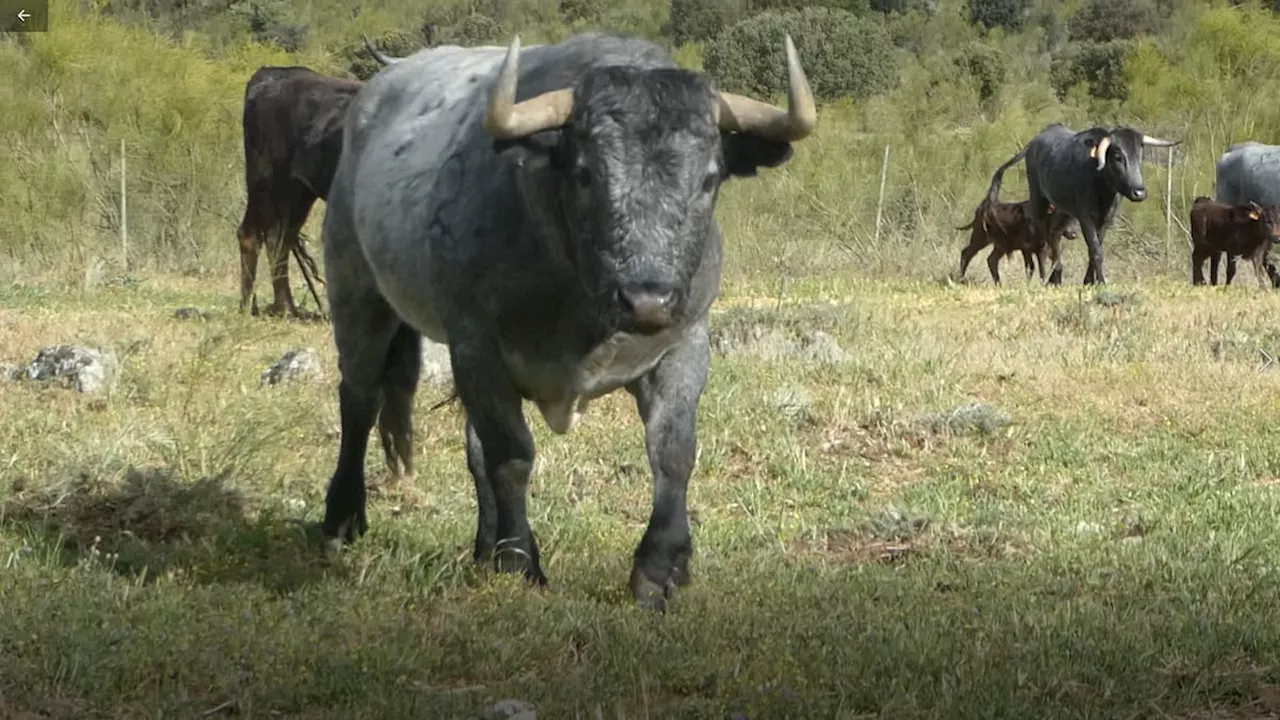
647	305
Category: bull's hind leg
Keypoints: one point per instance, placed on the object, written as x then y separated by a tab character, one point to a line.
667	398
399	384
299	207
499	453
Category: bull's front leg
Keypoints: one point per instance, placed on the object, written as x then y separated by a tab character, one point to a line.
667	398
1093	241
499	455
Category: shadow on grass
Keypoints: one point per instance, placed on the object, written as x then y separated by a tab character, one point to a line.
151	525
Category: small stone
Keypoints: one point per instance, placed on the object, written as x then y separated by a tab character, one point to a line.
792	401
10	372
437	369
82	369
190	313
510	710
294	365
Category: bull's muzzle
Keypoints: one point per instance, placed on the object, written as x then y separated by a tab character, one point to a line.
647	308
1138	194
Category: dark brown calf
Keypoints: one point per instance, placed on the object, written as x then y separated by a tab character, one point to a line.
293	120
1234	230
1007	226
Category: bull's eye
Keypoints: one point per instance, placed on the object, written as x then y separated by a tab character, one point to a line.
709	182
582	176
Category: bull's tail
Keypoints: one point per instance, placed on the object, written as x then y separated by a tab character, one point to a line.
310	272
966	227
993	192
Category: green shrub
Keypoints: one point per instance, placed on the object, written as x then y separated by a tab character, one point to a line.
701	20
843	54
1104	20
1099	66
857	7
1008	14
268	24
395	43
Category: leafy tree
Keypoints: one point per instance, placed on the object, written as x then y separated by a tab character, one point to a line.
1099	65
1008	14
986	64
843	54
1104	20
702	20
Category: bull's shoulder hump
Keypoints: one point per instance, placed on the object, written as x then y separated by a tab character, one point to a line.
443	80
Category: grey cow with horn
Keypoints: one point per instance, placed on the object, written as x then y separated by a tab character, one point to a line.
547	213
1082	174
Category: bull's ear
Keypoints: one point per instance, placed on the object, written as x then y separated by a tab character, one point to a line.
537	148
1255	212
745	153
1092	138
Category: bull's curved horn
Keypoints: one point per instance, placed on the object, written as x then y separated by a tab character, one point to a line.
744	114
1157	142
507	120
373	52
1102	151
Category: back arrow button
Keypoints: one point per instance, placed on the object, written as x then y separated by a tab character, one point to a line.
23	15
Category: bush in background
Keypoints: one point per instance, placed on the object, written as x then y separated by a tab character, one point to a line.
843	54
1008	14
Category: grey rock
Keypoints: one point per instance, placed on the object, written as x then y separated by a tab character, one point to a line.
294	365
768	343
510	710
792	401
10	372
83	369
190	313
436	367
969	417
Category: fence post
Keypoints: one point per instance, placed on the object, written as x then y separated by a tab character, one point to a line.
884	173
1168	203
124	211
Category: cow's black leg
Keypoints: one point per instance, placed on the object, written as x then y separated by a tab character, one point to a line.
399	383
487	511
1029	262
667	398
494	411
1093	241
1231	268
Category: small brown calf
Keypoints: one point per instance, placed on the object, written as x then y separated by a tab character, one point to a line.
1236	230
1007	226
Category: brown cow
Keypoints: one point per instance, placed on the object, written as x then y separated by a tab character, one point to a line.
1007	226
293	120
1236	230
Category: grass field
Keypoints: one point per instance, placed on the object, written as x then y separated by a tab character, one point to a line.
1108	553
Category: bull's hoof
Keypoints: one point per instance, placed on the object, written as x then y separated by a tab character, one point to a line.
653	595
344	532
513	559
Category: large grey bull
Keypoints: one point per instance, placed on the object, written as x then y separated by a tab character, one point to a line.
1248	172
1083	174
557	233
